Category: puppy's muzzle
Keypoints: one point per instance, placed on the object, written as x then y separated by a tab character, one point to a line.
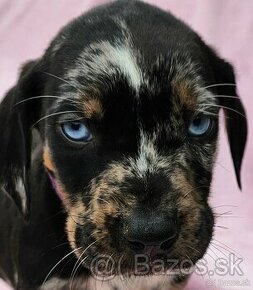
152	233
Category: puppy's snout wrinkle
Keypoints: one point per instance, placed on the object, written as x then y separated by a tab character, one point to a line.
150	232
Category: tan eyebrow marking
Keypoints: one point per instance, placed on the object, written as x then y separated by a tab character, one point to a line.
93	108
185	93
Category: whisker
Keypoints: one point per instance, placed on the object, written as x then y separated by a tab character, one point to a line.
73	270
208	113
62	259
63	80
226	97
229	216
194	249
222	227
219	247
196	263
60	245
48	251
46	97
189	259
70	120
229	212
220	85
199	251
213	253
223	205
224	107
72	280
54	114
79	263
199	270
216	241
54	215
222	166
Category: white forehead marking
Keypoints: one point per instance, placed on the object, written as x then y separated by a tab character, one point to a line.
124	59
119	57
106	59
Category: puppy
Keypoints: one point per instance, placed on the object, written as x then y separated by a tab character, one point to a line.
107	149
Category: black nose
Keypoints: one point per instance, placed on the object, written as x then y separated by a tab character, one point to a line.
150	231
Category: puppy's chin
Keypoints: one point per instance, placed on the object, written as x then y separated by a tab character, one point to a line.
106	266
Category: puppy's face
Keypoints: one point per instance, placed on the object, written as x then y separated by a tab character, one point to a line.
130	143
128	156
129	122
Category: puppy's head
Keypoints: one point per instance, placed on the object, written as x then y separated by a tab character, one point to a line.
126	100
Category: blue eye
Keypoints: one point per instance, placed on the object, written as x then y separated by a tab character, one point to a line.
76	131
199	126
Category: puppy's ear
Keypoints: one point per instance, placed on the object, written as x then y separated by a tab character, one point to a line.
235	116
15	142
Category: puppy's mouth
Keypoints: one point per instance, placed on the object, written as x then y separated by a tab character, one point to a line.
152	261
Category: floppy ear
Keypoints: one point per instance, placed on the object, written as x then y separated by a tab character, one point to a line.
235	116
15	142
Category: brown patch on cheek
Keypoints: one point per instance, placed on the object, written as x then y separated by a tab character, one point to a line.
93	108
105	218
117	173
109	183
189	196
47	159
181	183
107	200
75	217
71	230
49	164
103	207
189	206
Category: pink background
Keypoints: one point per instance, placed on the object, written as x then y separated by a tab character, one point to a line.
27	26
